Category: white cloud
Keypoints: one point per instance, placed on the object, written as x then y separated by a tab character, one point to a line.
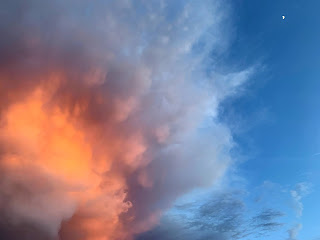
301	190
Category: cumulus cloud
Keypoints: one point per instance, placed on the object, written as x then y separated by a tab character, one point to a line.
103	111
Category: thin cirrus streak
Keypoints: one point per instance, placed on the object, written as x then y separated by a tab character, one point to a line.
103	106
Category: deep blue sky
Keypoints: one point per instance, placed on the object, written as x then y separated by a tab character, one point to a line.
284	92
280	106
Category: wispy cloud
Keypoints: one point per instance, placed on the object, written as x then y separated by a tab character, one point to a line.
235	214
294	231
223	216
301	190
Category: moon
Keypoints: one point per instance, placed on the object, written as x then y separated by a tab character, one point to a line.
283	17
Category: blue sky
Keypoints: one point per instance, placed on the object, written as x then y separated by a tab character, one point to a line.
286	140
280	103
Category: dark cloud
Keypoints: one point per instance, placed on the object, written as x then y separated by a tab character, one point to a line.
22	231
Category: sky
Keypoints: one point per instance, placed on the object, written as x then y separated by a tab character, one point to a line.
171	120
286	140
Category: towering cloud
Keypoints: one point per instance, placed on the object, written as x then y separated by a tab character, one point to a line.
109	112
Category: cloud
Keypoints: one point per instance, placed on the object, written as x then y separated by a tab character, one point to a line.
265	220
232	214
301	190
294	231
281	195
103	111
220	216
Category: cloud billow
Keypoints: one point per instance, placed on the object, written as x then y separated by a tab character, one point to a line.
104	121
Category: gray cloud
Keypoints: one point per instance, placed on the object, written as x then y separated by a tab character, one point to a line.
22	232
220	217
265	220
